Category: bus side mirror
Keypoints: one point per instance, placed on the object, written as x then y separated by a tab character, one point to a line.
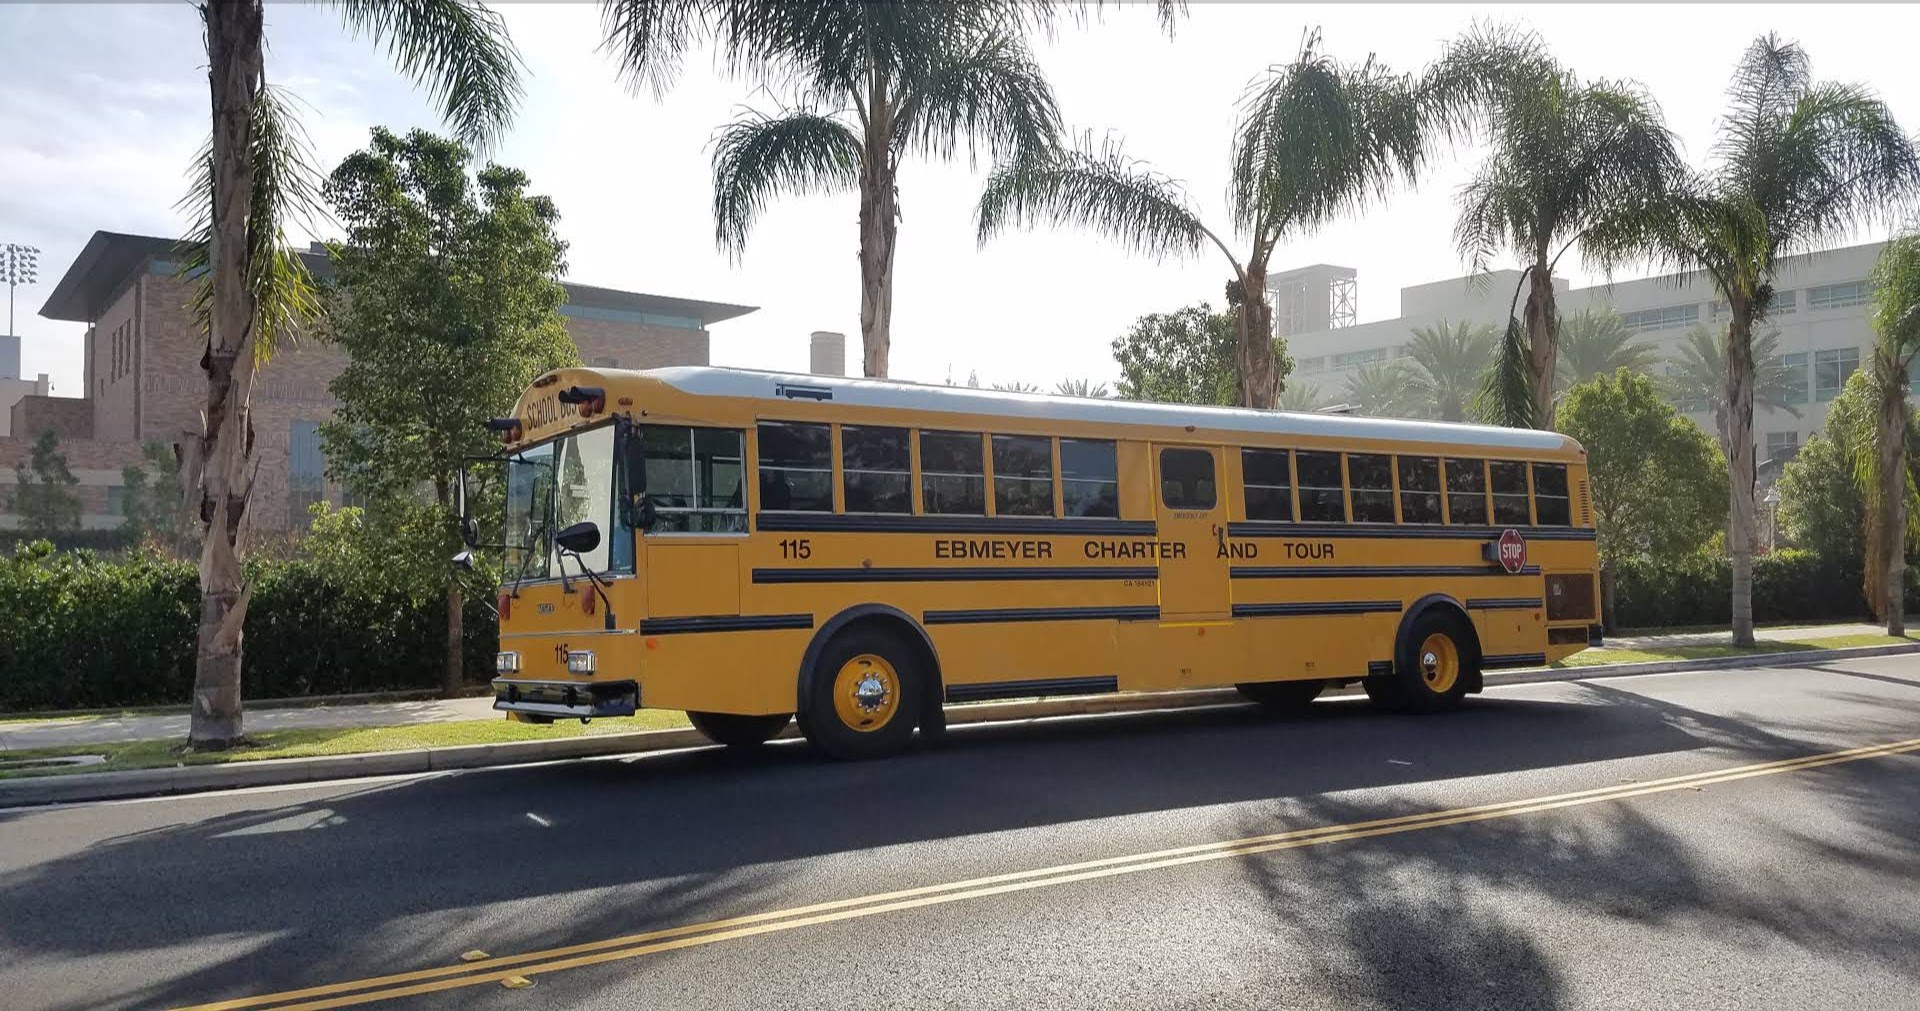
469	532
463	561
579	538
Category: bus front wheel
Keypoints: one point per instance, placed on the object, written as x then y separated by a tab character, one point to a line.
863	694
739	731
1432	668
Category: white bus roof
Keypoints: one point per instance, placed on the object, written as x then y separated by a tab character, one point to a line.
892	393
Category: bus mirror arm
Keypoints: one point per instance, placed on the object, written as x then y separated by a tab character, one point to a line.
593	579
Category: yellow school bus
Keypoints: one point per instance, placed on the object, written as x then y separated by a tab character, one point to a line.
754	548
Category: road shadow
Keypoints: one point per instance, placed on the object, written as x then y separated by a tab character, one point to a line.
305	887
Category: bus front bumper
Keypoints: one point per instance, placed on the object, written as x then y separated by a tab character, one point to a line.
567	699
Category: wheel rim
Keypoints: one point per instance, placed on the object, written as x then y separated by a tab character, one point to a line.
1439	662
866	693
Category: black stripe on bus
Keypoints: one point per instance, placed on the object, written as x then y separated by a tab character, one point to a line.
1037	688
1514	660
822	523
1316	608
951	574
1346	571
986	616
1503	603
1270	528
724	623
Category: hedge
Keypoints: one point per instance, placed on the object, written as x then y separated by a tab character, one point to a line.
78	631
1698	590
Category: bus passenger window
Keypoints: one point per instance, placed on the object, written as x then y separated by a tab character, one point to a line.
1266	474
876	469
953	474
1023	475
1372	480
1419	489
693	477
1322	498
1089	478
796	466
1467	493
1186	479
1510	493
1550	499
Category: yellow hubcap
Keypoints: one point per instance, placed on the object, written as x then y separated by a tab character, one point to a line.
866	693
1439	662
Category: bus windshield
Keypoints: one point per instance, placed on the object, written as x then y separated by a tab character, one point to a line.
552	487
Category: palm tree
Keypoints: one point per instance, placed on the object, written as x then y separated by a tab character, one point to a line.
1696	377
1384	390
1081	388
1317	139
875	84
253	180
1300	396
1447	365
1882	469
1017	386
1595	343
1798	165
1566	155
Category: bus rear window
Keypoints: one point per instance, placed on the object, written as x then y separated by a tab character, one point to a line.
1419	489
876	469
1323	499
796	466
953	474
1022	475
1372	480
1268	479
1509	493
1550	500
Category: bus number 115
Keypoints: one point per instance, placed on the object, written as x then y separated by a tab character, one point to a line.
797	548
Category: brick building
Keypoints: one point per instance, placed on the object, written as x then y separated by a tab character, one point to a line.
143	381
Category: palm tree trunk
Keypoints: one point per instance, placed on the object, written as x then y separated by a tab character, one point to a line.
1893	493
1258	372
1740	508
236	71
1608	578
879	225
1543	327
454	679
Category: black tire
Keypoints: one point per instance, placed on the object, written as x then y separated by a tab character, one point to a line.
739	731
1281	696
847	728
1424	680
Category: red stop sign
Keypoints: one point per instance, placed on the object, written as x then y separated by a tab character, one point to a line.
1511	550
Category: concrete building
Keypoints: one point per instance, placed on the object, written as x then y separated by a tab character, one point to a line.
143	381
1820	310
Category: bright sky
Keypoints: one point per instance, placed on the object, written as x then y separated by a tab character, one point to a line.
107	104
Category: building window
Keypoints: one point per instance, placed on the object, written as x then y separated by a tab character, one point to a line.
1672	317
1022	475
1838	296
1318	363
1419	489
876	469
796	467
1186	479
1323	497
694	477
1268	479
1784	303
953	474
1781	446
1550	500
306	471
1089	478
1467	492
1795	368
116	500
1509	481
1349	358
1831	369
1371	478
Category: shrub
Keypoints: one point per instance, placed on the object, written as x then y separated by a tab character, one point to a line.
1697	590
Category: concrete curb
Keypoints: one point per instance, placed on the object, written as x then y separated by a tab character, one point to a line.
85	786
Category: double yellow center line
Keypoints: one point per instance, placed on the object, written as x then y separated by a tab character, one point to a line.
496	970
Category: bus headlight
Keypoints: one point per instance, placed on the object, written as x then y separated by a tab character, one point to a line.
506	663
580	661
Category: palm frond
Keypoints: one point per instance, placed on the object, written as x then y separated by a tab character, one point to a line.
286	194
1383	390
990	93
1896	296
1300	396
1595	343
1506	392
649	38
1082	388
1448	362
757	156
458	50
1102	190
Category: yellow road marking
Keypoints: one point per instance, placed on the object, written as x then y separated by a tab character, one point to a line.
691	935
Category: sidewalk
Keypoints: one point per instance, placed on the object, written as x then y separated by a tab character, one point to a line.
59	733
1724	638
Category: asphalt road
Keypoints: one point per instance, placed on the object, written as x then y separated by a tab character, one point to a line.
1611	844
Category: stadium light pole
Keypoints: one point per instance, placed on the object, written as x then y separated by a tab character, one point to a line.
17	266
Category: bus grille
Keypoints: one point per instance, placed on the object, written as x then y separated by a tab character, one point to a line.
1570	597
1586	505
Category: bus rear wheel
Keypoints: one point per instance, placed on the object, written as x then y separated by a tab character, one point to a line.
739	731
1281	696
863	695
1432	668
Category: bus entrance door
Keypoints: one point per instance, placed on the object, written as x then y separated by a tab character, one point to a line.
1191	508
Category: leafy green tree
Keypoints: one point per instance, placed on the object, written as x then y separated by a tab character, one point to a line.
1884	469
1799	164
1447	363
447	301
150	495
1821	508
253	180
1658	481
1388	389
1595	343
1180	357
1081	388
43	492
1317	139
1565	155
1696	377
